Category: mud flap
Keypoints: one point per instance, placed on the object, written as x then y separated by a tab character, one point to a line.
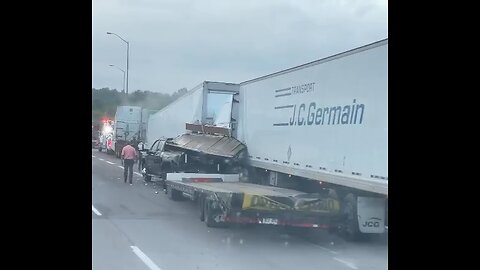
371	214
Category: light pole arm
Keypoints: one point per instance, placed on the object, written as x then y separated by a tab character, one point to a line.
110	33
128	52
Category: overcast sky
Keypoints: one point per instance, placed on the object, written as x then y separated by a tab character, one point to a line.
180	43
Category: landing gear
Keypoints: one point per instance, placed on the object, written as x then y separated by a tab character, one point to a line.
212	216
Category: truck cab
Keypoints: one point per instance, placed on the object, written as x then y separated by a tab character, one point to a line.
158	160
153	157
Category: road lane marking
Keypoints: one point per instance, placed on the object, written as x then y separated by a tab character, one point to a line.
327	249
93	156
101	159
121	167
96	211
349	264
109	162
145	258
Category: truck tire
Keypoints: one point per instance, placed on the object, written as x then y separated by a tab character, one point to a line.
201	203
208	215
165	188
174	194
350	228
146	176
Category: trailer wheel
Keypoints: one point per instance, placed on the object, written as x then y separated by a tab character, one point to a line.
201	203
146	176
350	228
209	214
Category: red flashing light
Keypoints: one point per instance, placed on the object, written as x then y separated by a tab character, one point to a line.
105	120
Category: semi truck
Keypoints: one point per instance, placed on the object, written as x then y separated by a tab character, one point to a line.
326	121
317	128
130	123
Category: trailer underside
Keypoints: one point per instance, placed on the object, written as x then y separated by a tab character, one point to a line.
246	203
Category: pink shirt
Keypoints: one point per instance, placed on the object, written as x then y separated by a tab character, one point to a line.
128	152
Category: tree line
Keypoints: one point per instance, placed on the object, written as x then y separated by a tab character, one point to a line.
105	100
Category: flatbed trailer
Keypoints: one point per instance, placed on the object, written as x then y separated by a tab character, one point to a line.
222	199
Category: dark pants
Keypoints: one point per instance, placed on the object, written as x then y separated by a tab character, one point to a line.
128	169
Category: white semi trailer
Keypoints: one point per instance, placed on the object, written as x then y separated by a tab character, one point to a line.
199	105
325	121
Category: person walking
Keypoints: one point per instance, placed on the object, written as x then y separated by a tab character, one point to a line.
135	143
129	155
141	146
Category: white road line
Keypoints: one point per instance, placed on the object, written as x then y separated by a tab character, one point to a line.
96	211
349	264
109	162
93	156
121	167
101	159
145	258
329	250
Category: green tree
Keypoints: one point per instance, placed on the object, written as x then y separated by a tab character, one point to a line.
105	100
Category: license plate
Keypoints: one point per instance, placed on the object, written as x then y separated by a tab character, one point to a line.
273	221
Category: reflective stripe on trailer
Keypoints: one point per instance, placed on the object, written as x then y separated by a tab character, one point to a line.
249	220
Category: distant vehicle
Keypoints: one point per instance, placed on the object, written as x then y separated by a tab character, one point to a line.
129	124
106	136
95	134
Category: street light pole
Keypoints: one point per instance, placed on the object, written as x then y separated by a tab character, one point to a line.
128	52
123	75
